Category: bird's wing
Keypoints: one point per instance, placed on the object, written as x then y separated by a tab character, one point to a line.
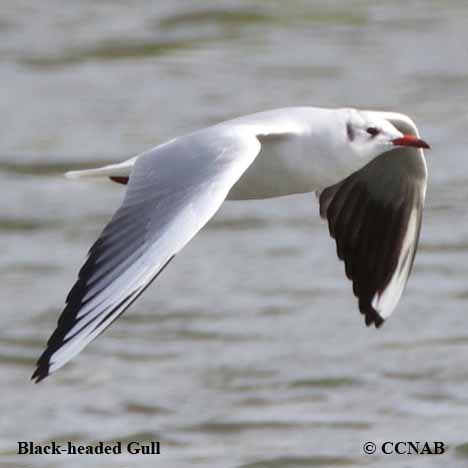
375	217
173	191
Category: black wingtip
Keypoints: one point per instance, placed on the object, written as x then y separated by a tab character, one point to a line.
40	374
42	368
379	322
372	317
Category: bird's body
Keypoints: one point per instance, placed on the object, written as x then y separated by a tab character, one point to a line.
283	166
365	166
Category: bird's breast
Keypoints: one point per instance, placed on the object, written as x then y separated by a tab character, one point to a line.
278	170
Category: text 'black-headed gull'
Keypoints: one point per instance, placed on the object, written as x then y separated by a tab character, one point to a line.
366	167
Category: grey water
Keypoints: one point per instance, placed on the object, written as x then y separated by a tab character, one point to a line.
249	351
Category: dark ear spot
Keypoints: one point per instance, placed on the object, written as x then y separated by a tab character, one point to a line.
350	131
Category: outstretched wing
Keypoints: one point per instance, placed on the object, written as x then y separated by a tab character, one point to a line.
173	191
375	217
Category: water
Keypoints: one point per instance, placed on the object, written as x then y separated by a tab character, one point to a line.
249	350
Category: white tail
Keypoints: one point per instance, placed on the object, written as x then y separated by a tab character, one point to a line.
113	170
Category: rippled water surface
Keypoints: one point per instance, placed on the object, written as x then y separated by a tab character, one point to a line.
249	350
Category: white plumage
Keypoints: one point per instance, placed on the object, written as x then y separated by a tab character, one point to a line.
367	168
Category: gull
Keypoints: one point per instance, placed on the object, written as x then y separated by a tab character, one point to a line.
367	169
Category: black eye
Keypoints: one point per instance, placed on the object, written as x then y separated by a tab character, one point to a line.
373	131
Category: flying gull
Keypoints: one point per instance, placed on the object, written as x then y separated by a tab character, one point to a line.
366	167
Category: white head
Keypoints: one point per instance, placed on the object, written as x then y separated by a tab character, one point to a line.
369	134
